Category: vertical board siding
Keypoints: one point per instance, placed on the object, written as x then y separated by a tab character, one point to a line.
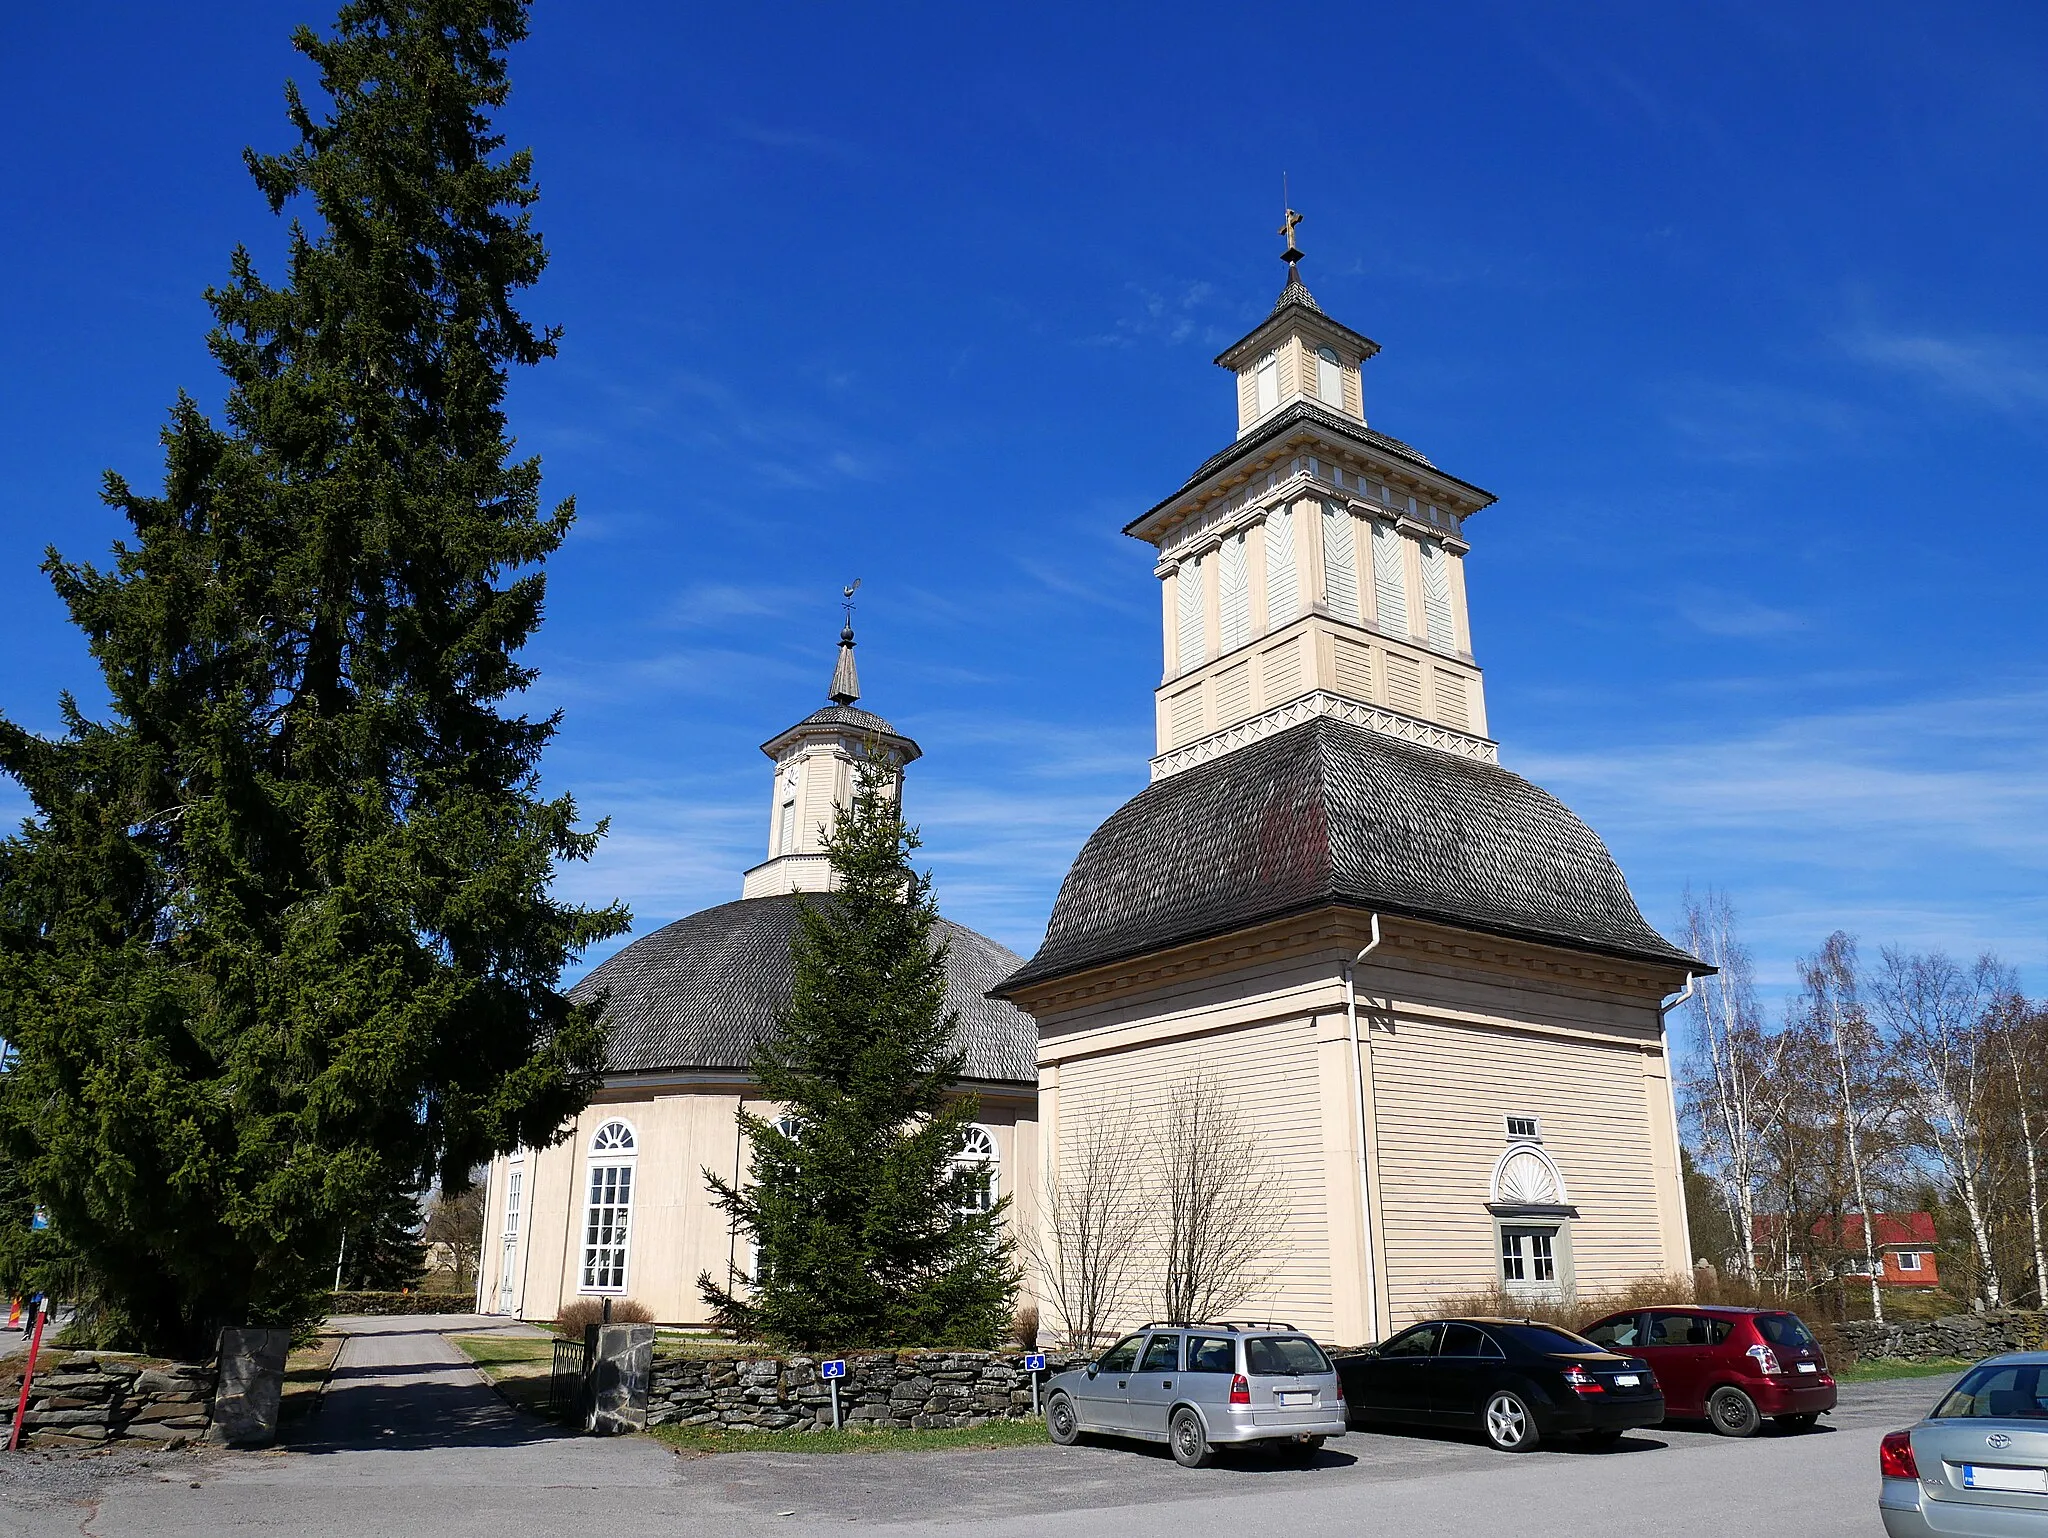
1436	596
1283	579
1441	1094
1404	684
1390	577
1340	569
1354	669
1233	694
1270	1072
1189	651
1280	672
1450	699
1233	597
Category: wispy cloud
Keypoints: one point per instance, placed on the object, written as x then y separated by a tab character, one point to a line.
768	136
1735	616
1761	424
2008	374
1174	314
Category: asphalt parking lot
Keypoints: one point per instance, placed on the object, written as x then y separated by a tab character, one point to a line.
414	1446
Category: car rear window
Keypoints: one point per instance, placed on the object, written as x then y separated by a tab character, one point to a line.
1785	1330
1689	1329
1283	1356
1546	1337
1997	1393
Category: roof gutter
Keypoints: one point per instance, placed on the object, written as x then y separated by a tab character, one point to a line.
1372	1291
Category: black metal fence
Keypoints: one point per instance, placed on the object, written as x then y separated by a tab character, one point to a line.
572	1360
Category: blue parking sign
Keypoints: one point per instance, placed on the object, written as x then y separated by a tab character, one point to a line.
1034	1363
832	1369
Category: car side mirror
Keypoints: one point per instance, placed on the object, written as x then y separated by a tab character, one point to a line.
1093	1369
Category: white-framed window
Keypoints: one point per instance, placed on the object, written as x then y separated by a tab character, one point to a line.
1523	1128
1528	1256
979	1154
1268	378
508	1258
1329	377
1909	1260
608	1213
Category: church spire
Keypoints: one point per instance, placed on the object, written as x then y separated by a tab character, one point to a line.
845	677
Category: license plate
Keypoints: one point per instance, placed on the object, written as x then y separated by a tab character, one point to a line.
1298	1398
1626	1380
1808	1367
2031	1481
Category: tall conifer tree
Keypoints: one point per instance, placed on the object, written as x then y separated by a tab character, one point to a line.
866	1226
278	940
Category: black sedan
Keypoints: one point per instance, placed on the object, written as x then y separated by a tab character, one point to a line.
1515	1380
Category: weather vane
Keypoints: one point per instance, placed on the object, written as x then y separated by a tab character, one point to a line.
846	600
1293	252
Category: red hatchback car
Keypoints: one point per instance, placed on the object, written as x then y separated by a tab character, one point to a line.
1732	1366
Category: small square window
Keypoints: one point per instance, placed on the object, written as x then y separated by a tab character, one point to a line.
1525	1129
1909	1260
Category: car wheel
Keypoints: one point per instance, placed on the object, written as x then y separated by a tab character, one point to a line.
1191	1449
1804	1421
1732	1413
1061	1423
1510	1423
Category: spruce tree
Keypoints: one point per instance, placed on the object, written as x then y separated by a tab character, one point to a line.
863	1221
278	941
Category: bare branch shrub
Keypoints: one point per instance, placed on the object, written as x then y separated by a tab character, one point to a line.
1219	1210
1082	1252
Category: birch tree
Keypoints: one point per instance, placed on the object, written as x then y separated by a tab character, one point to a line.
1221	1211
2021	1035
1836	1011
1938	1017
1734	1097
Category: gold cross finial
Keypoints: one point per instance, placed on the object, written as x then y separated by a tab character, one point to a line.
1293	252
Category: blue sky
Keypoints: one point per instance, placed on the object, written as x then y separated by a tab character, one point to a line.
1737	308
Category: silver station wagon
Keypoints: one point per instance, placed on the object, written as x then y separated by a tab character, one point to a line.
1198	1387
1977	1466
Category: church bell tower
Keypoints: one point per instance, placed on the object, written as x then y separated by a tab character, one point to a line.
1314	567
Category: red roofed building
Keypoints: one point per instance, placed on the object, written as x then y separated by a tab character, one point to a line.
1905	1245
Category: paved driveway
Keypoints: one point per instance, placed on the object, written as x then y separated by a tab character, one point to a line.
412	1444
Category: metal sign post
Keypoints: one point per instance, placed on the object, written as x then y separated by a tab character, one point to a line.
1034	1364
832	1372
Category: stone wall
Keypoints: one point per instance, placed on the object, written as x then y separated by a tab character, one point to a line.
881	1389
102	1398
1968	1336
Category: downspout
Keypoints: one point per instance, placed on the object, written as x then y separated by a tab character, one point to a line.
1671	1105
1372	1293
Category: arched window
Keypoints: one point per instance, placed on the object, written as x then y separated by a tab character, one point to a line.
607	1224
1329	377
790	1127
979	1154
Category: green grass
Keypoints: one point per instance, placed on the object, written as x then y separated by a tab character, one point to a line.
1878	1369
706	1439
505	1351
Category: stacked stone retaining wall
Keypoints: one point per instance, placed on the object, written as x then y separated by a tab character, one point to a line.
919	1389
1968	1336
83	1399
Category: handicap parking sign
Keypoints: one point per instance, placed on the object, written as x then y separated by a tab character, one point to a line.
832	1369
1034	1363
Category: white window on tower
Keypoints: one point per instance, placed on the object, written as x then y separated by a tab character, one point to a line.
1283	579
1436	595
1233	597
608	1215
979	1158
1390	577
1329	377
1909	1260
1189	648
1340	563
1268	376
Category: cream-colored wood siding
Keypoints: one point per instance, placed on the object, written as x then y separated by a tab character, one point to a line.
1404	684
1280	672
1234	693
1440	1093
1270	1073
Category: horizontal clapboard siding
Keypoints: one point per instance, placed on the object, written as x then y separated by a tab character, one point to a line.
1269	1072
1280	671
1404	684
1354	669
1440	1096
1451	707
1184	714
1233	694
